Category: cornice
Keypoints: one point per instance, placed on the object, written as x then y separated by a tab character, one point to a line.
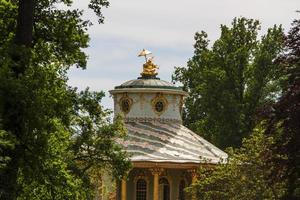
150	119
149	90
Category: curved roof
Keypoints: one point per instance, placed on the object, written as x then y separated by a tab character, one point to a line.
148	83
168	142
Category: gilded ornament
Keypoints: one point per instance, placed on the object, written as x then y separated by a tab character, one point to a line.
156	170
149	68
159	104
125	103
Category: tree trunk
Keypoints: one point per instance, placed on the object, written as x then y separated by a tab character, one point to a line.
25	23
21	55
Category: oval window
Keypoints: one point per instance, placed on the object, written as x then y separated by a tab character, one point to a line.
125	105
159	106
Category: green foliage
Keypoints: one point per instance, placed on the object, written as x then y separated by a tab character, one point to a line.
245	176
230	80
97	5
52	138
267	164
283	119
54	178
7	141
93	145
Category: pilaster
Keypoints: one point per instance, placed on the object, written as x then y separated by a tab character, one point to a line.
123	190
156	172
193	174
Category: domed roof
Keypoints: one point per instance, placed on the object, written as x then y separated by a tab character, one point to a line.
148	83
168	142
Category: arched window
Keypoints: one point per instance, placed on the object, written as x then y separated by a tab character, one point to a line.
141	189
164	188
181	190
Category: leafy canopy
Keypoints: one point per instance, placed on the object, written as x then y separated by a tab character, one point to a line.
52	137
284	117
228	81
266	166
245	176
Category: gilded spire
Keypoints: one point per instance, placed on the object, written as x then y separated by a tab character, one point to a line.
149	68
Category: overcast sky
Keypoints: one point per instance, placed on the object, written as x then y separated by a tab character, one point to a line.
165	27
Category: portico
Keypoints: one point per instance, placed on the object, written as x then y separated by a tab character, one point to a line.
164	179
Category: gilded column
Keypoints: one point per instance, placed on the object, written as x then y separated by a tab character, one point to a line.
123	190
193	174
156	173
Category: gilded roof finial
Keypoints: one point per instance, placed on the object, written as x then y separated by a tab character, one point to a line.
149	68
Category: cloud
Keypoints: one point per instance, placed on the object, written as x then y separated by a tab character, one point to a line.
167	28
172	23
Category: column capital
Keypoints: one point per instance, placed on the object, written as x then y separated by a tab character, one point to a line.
193	173
156	170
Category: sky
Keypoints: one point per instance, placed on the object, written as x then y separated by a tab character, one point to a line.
167	29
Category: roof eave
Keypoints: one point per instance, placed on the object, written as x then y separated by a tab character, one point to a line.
148	90
170	165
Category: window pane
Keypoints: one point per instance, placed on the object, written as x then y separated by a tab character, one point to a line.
165	187
181	190
141	189
159	106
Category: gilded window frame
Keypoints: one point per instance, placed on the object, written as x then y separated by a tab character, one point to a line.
159	98
130	101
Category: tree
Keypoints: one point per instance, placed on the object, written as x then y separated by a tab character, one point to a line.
244	176
230	80
51	136
284	118
267	164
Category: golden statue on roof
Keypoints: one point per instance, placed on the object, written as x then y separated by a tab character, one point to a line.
149	68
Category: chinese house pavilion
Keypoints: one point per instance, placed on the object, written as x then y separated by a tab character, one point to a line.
165	154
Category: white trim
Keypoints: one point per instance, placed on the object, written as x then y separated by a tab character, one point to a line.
149	90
